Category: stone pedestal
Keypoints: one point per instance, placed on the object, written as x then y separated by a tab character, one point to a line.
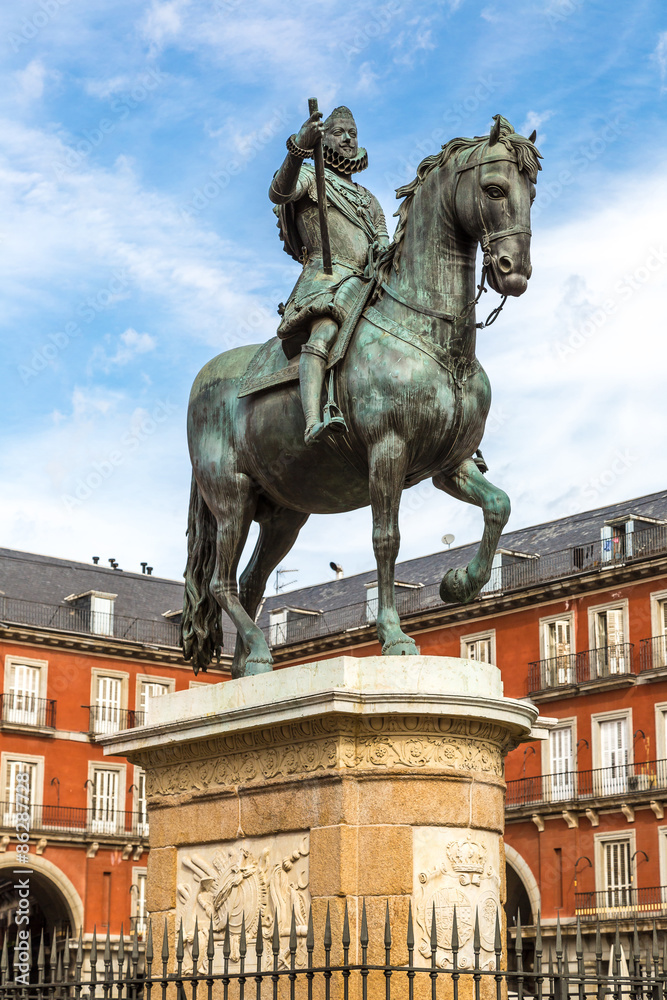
376	779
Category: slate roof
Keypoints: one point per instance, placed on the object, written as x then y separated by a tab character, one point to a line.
539	539
47	580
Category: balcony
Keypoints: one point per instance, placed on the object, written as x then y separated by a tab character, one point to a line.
623	903
653	653
21	709
622	779
107	719
603	663
72	819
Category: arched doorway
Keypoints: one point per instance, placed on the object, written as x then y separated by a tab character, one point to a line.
54	907
523	899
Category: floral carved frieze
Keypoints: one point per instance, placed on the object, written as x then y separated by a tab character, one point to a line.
330	745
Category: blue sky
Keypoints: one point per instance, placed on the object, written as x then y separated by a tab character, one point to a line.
137	240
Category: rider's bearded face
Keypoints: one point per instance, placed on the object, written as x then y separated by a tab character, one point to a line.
341	136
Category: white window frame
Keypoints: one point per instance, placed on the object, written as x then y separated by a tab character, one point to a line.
372	599
660	709
571	723
658	599
38	797
22	716
137	775
489	633
495	582
139	875
168	682
124	677
662	853
544	624
599	841
103	827
596	740
595	609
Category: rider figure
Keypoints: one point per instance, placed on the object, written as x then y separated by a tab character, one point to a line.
319	302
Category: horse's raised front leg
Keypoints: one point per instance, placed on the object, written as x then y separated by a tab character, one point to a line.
468	484
388	461
234	516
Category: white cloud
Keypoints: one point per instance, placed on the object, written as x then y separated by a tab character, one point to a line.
535	120
30	81
660	54
129	345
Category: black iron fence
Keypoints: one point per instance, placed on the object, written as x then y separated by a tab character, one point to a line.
453	962
620	779
23	709
578	668
621	903
109	719
101	821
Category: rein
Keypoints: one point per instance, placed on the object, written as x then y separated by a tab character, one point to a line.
487	263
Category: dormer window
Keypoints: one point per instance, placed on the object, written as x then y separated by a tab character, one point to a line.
291	625
620	536
96	611
510	569
407	598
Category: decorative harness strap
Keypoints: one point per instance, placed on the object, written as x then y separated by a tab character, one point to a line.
460	371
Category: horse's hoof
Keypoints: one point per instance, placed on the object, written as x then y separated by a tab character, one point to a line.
253	667
456	587
400	647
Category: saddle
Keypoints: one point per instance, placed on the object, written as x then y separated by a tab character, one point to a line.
269	367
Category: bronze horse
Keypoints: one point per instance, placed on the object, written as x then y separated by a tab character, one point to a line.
410	387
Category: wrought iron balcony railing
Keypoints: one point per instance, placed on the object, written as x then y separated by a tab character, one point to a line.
653	653
578	668
99	821
108	719
25	710
516	573
621	903
621	779
69	618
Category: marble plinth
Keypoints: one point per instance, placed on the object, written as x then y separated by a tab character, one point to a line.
376	779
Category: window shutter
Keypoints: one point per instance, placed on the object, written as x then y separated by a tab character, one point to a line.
663	608
109	694
615	627
151	689
23	694
606	544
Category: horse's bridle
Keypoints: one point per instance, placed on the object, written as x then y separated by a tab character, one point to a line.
487	262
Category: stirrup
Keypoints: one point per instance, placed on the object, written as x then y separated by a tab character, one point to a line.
332	416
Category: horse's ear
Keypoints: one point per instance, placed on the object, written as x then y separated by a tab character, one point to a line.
533	136
494	135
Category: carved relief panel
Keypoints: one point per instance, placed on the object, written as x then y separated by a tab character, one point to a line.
252	877
460	868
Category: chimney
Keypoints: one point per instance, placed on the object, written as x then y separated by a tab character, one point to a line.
149	570
143	567
96	559
338	570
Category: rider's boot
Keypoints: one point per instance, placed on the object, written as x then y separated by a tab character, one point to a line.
312	367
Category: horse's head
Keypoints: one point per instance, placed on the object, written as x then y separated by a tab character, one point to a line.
493	192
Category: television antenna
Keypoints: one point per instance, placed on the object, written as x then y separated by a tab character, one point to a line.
280	585
448	539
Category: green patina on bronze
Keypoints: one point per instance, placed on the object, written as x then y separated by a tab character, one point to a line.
413	397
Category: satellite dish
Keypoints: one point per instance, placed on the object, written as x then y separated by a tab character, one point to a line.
448	539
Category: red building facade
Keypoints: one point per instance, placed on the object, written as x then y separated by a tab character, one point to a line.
84	649
575	617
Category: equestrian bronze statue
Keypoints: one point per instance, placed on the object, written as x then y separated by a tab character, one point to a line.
371	385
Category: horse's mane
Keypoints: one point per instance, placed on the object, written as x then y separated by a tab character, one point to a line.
528	161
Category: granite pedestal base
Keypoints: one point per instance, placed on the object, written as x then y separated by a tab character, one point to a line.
349	780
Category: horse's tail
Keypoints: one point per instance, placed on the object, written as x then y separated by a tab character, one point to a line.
201	625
